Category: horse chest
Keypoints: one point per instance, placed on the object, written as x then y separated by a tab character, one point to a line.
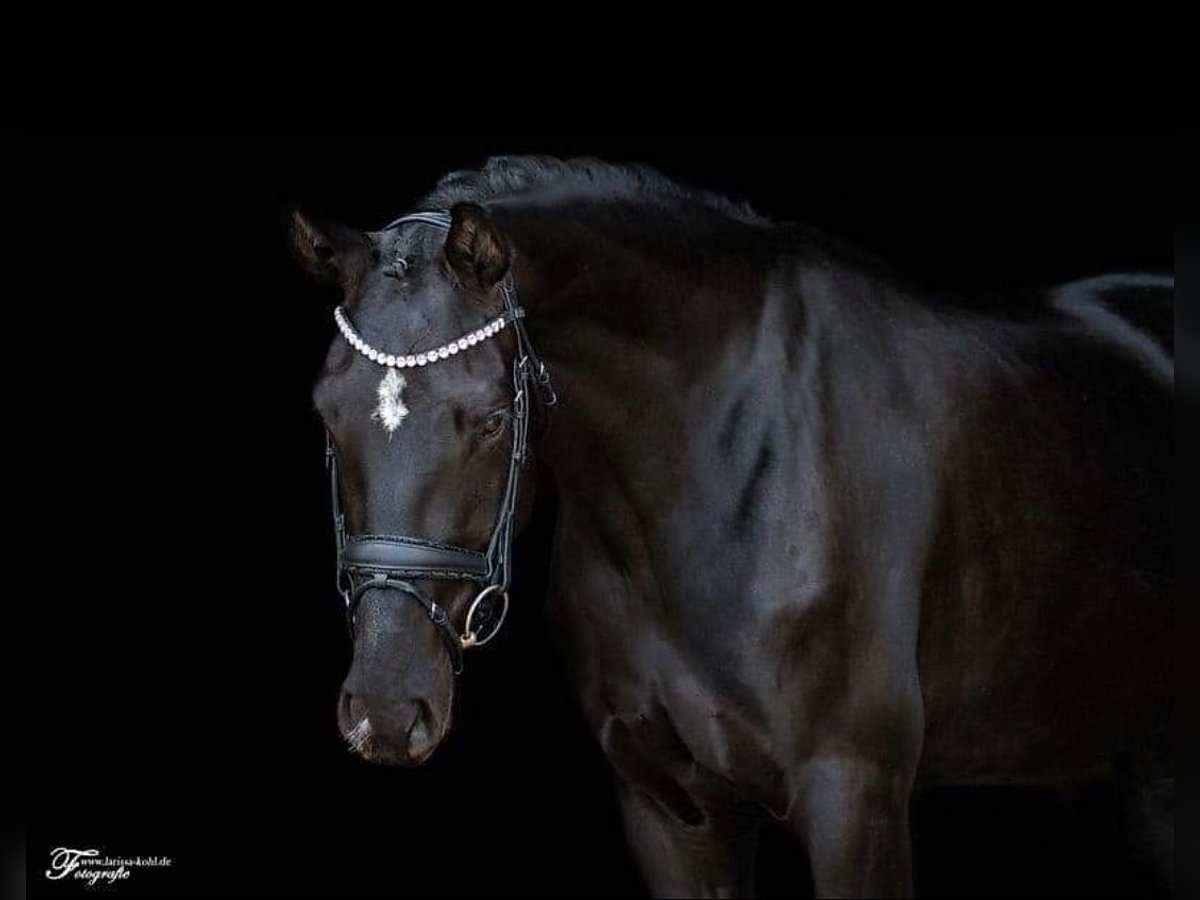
663	723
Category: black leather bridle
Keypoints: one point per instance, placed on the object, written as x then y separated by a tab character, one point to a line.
394	562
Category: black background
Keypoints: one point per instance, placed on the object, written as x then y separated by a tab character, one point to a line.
183	696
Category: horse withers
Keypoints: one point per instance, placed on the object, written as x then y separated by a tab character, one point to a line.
822	537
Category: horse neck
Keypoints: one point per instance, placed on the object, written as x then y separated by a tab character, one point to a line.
633	312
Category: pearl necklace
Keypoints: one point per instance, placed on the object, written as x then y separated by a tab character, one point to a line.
429	356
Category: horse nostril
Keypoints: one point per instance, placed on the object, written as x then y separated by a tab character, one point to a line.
353	709
388	730
421	731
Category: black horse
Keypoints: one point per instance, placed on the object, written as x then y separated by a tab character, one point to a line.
822	538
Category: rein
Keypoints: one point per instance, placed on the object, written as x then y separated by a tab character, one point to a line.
393	561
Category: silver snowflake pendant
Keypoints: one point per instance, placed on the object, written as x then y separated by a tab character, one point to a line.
390	411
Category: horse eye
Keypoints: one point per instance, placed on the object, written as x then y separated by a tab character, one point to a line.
494	423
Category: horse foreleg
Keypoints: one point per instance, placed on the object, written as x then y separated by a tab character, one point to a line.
853	818
712	856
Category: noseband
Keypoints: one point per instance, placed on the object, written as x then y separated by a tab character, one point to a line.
394	562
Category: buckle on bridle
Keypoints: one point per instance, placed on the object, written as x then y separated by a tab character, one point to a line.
549	397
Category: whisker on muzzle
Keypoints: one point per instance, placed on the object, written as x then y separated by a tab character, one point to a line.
358	736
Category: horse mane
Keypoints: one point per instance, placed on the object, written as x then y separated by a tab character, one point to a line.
588	177
507	176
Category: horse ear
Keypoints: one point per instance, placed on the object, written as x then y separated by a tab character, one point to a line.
476	248
332	253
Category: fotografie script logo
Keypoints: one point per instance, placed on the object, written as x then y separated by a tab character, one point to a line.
90	867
